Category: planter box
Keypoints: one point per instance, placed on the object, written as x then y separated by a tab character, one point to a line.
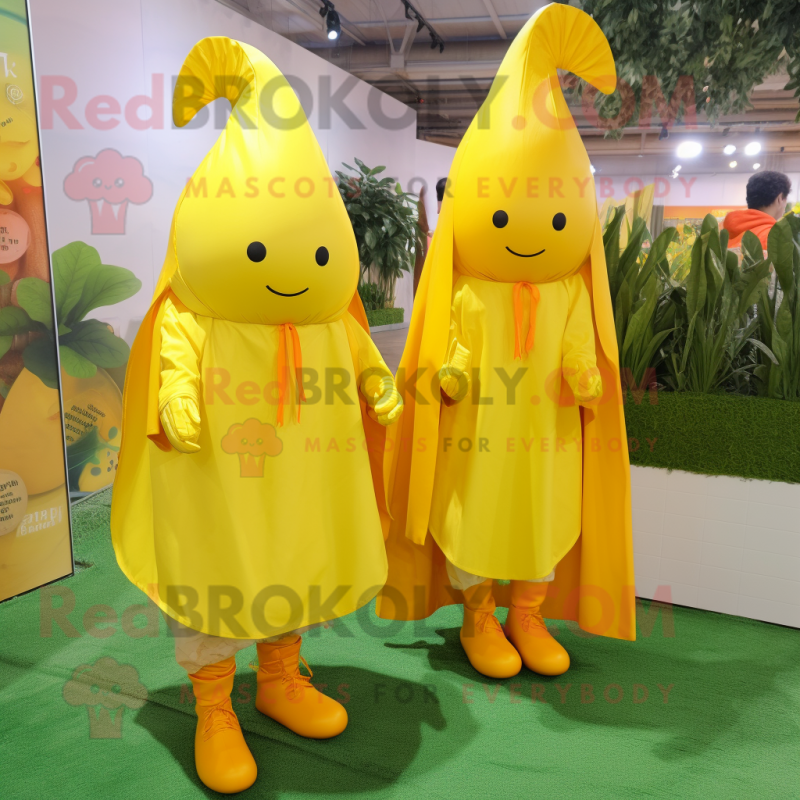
718	543
385	316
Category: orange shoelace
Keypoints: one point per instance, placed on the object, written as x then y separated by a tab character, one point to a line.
530	619
518	317
487	622
220	717
283	372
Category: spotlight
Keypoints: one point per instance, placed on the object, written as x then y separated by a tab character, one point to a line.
333	24
678	168
689	149
752	148
729	149
756	165
733	164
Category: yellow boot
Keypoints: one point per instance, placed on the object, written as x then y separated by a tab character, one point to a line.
482	637
288	697
223	759
526	629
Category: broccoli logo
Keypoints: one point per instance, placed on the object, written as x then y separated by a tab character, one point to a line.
105	688
252	441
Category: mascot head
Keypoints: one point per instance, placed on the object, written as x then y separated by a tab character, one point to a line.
260	234
524	197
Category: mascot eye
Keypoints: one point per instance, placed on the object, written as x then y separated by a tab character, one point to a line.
322	256
119	183
97	182
256	251
500	219
559	221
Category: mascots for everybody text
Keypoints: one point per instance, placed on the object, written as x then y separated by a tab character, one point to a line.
512	465
256	344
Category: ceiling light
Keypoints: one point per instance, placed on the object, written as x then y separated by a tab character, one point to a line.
733	164
752	148
756	165
678	168
689	149
333	24
591	167
729	149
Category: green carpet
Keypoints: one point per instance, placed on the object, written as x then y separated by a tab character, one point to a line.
423	724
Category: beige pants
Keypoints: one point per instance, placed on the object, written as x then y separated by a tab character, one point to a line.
460	579
195	649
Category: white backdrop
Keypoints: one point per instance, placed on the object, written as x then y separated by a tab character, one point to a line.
105	74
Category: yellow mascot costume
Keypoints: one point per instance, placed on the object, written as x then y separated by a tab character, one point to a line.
249	496
510	462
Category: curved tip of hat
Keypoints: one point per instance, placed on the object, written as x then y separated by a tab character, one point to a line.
215	67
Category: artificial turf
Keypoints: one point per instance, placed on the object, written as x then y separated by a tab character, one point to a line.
702	706
715	434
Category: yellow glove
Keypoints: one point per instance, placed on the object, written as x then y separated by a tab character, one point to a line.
180	419
586	385
453	376
384	400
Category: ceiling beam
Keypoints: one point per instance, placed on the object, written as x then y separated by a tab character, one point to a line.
493	14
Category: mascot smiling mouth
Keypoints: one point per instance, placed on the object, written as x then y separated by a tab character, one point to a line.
283	294
524	255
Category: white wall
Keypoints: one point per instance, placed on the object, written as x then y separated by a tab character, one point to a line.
718	543
118	49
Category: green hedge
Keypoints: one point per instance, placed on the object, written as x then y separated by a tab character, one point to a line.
385	316
716	434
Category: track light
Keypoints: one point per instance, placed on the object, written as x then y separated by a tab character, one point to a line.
733	164
729	149
332	22
689	149
334	25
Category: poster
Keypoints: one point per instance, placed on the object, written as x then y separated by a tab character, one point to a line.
35	542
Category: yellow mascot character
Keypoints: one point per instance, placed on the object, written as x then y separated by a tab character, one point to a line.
512	464
249	497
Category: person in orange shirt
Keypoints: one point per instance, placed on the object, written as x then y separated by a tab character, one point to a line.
767	193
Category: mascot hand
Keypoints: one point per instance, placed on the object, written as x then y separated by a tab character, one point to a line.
385	402
588	387
181	421
453	376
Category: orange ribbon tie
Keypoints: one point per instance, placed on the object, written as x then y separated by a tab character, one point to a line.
518	317
283	372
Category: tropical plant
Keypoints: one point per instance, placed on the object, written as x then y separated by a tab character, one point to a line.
81	284
638	278
679	253
714	316
713	54
384	220
778	374
372	296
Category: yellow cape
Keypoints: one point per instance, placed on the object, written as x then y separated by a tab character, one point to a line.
245	71
594	582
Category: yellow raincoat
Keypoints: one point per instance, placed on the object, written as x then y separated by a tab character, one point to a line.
526	468
255	347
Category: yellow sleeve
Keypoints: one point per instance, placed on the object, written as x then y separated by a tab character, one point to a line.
458	352
372	368
578	359
182	342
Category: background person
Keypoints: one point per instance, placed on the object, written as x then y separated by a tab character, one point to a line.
767	193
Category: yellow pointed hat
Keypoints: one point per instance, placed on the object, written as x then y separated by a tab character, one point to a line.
523	154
